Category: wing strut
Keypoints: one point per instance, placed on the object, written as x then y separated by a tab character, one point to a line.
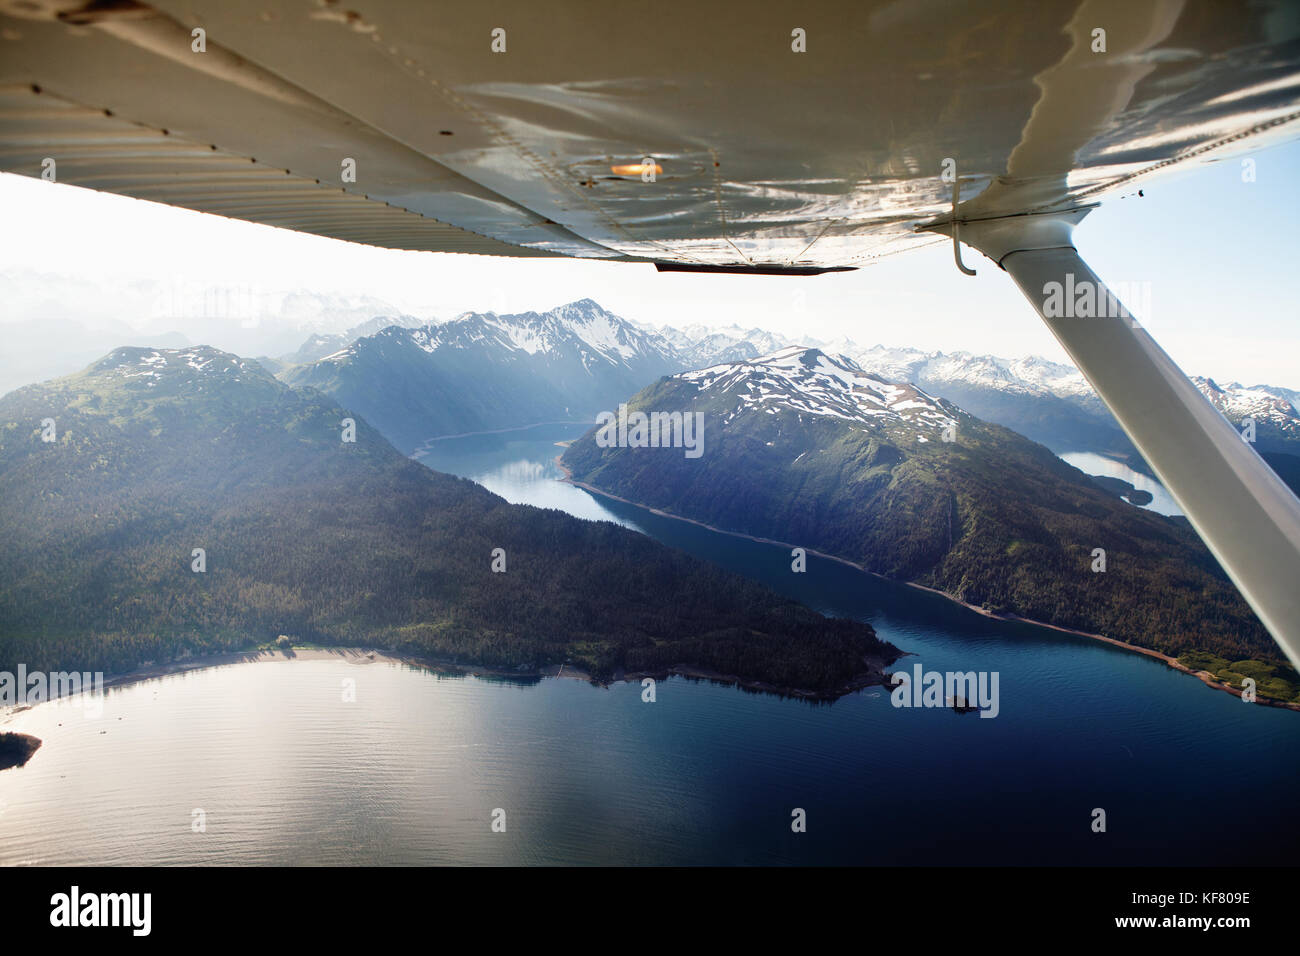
1247	517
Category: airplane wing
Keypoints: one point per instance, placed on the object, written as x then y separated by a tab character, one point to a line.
768	157
727	137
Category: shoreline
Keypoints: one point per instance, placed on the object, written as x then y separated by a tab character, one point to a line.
423	447
1210	680
361	655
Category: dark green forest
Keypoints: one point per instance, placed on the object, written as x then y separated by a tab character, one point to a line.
337	543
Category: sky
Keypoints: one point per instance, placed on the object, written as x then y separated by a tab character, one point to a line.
1217	257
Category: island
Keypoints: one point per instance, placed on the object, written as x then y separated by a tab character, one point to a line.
16	749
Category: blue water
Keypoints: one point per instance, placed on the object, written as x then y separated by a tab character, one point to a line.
1185	774
411	772
1090	463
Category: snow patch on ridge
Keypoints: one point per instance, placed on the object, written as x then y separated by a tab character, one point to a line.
808	381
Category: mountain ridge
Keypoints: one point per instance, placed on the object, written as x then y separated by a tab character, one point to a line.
482	371
1047	401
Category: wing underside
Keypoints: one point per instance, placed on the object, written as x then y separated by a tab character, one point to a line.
466	139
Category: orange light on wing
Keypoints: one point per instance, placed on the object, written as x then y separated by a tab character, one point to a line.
636	169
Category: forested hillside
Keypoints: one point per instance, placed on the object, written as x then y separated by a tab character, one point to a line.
157	453
810	449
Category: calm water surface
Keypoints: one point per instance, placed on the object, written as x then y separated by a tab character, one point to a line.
411	772
1090	463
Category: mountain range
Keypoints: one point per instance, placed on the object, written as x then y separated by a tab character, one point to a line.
164	503
698	346
1054	404
483	371
562	367
1050	402
320	345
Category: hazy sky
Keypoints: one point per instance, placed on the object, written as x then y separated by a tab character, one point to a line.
1220	256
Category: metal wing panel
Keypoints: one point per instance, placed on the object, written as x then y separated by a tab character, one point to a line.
829	157
102	102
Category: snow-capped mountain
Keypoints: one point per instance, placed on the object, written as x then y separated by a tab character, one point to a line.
956	375
812	449
1047	401
173	379
809	382
1032	375
699	346
1290	394
320	345
192	367
583	328
896	365
1268	406
483	371
26	356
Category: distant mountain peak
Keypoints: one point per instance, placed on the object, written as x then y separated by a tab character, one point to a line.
1263	403
581	305
484	370
806	381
